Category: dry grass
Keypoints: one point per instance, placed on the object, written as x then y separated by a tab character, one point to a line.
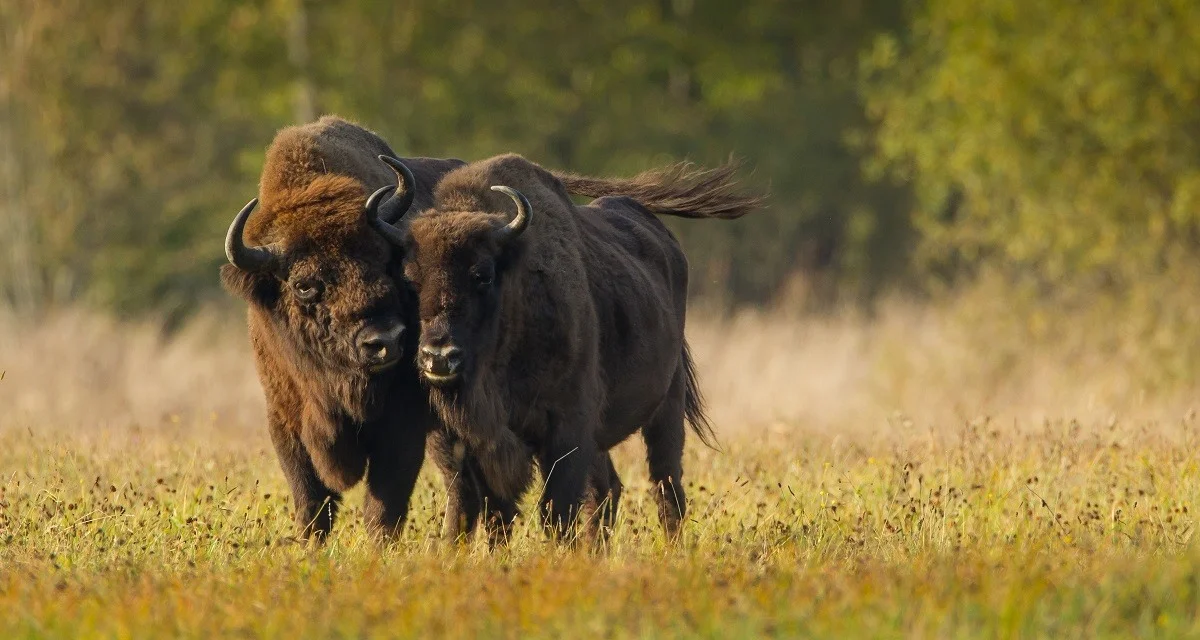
923	474
83	370
910	367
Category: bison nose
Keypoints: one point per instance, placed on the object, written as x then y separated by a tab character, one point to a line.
441	362
380	349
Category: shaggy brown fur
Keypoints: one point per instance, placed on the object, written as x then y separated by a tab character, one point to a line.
333	418
571	334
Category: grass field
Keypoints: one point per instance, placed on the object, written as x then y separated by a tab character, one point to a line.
859	492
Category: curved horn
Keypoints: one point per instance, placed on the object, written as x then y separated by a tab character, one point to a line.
520	222
397	207
393	234
243	257
372	205
390	233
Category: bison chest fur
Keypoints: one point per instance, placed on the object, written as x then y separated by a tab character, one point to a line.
322	400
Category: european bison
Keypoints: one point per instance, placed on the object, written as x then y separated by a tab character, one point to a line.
561	326
328	320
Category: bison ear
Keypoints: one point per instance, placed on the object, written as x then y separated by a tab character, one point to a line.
255	288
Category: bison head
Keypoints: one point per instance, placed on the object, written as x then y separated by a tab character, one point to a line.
455	261
322	278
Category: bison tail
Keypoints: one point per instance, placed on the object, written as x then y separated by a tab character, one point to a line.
681	189
693	402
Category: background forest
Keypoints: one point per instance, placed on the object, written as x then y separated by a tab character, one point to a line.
906	144
1026	171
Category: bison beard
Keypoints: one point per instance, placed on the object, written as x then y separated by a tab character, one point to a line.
567	332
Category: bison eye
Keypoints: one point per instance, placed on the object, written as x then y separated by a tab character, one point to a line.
483	278
308	290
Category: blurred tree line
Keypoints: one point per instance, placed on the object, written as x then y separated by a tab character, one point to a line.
1057	141
900	141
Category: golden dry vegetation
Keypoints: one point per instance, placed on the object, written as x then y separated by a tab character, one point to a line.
924	473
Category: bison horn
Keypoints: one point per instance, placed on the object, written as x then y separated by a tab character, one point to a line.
372	205
518	224
251	259
394	209
391	233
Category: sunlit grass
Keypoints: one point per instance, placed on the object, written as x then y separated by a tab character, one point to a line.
1061	529
858	493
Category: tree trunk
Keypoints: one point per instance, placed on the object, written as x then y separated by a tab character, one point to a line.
305	102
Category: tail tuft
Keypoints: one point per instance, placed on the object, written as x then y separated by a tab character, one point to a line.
693	403
681	189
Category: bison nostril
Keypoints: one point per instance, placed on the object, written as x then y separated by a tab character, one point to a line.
441	361
430	357
374	345
379	346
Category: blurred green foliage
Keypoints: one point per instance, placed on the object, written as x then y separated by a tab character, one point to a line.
138	128
1055	141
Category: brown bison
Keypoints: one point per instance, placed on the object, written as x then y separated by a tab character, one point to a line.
329	322
561	326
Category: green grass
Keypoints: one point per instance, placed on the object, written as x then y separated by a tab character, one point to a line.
1061	531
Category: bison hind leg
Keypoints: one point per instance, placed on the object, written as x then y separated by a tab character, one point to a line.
664	437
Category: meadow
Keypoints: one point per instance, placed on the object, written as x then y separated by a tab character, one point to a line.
995	437
919	473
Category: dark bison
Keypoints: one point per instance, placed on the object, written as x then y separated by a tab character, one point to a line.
328	320
561	326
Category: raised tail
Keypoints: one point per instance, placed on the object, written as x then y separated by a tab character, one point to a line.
681	189
693	402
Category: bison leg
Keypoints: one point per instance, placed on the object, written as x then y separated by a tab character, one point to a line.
397	452
615	487
462	504
498	513
664	453
316	504
464	494
498	519
603	499
467	494
566	464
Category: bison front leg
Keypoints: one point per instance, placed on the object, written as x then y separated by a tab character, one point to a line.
469	501
316	504
468	496
566	464
463	493
603	499
396	456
